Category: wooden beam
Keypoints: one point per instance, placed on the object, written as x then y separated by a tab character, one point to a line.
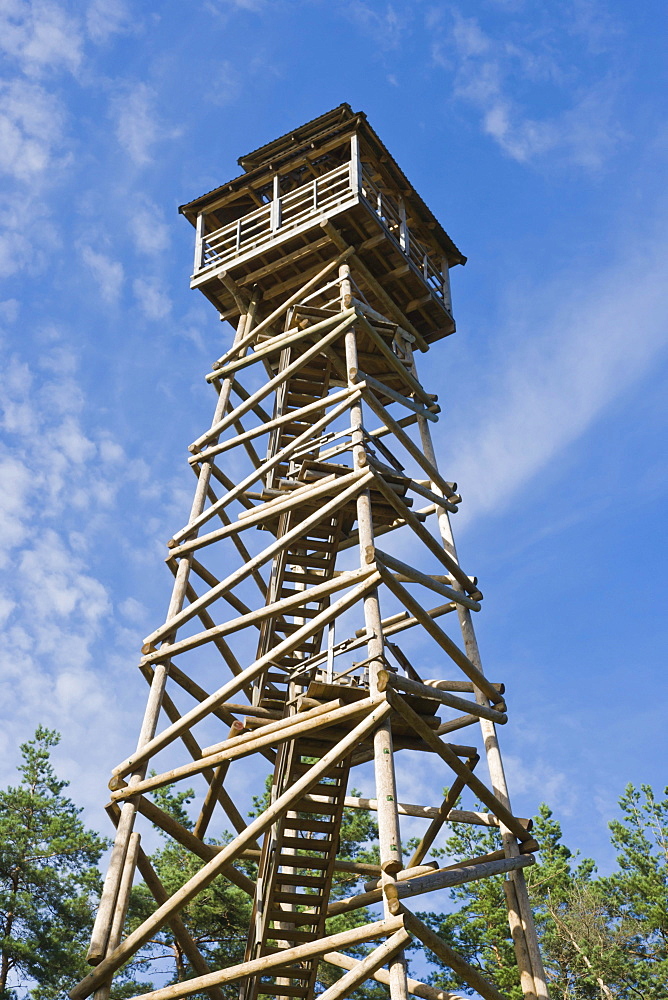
446	754
145	931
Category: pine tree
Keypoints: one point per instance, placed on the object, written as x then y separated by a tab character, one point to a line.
637	894
48	880
478	928
216	919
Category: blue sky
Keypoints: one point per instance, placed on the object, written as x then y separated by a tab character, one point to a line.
537	134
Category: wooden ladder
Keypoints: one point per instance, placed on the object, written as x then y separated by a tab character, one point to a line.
295	876
311	558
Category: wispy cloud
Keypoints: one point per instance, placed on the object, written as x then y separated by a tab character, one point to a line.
152	297
139	127
40	36
31	129
498	76
148	228
226	6
105	18
386	23
107	272
558	374
61	479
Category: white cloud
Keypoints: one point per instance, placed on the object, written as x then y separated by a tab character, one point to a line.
148	228
540	781
490	73
218	6
54	605
387	26
9	310
31	129
138	125
225	84
134	611
584	135
40	35
602	334
152	298
105	18
108	273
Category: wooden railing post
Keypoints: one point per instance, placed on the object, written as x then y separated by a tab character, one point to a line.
276	204
355	165
199	243
445	273
404	238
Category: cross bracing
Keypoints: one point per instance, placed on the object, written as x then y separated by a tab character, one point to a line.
320	622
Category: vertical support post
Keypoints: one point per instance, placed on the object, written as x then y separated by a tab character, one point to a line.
121	909
331	640
404	236
199	244
276	204
386	793
355	163
447	295
527	950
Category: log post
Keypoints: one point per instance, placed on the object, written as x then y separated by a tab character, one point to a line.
528	950
383	756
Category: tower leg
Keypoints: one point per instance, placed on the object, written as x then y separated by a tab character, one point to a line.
523	928
386	793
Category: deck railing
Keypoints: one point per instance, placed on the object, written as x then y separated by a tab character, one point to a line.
391	212
285	212
321	196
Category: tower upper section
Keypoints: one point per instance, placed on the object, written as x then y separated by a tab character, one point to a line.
327	185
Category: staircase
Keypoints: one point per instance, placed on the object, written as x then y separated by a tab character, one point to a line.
299	851
295	876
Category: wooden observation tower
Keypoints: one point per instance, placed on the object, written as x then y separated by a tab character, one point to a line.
316	583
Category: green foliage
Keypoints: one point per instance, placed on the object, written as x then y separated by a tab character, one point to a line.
478	927
48	880
637	894
602	937
217	919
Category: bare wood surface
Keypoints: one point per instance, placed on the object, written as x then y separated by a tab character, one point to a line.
356	935
401	683
365	968
415	987
432	881
450	957
460	769
211	869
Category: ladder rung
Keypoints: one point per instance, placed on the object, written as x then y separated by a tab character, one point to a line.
305	881
307	844
269	990
314	543
301	898
315	807
291	972
302	861
323	789
289	935
286	916
317	825
317	562
305	577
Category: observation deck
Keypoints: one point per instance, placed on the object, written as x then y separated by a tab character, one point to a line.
328	185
